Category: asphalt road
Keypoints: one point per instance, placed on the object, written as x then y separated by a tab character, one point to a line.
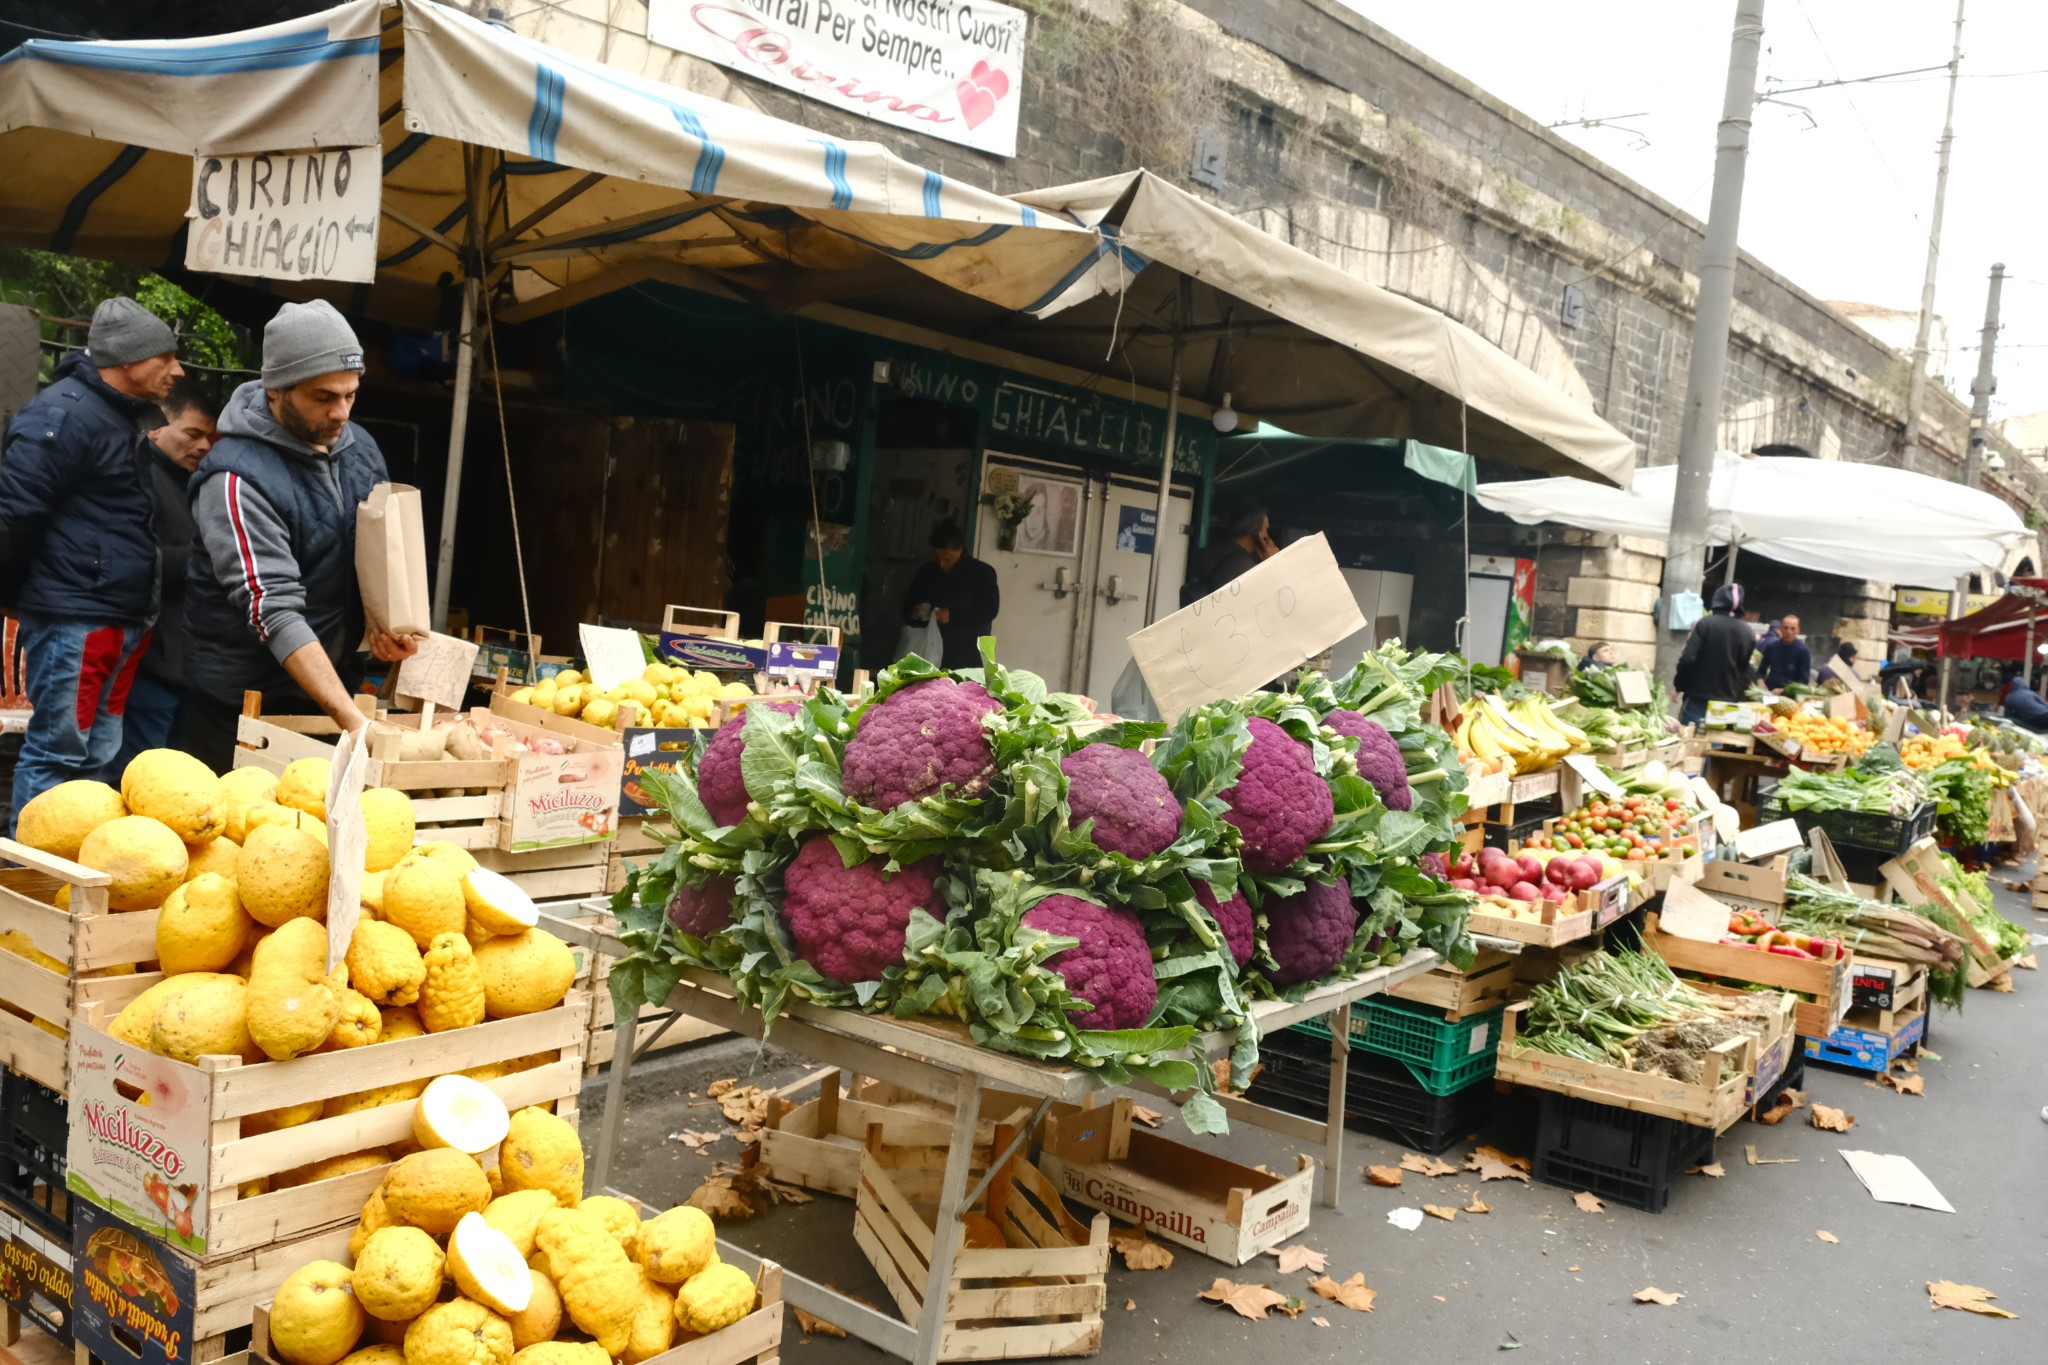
1538	1274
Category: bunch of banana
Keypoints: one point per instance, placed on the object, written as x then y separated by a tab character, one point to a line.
1536	715
1493	732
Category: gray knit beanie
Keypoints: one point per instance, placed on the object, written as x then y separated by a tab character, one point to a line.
123	332
307	339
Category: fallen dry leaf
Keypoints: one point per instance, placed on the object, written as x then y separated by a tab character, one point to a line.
1714	1169
696	1139
1828	1237
1151	1118
811	1325
1965	1298
1320	1322
1299	1258
732	1191
1248	1300
1478	1205
1351	1293
1139	1251
719	1087
1571	1270
1426	1165
1130	1305
1907	1064
1520	1163
1449	1215
2001	985
1387	1176
1657	1296
718	1198
2030	962
1832	1120
1589	1203
1491	1167
1907	1085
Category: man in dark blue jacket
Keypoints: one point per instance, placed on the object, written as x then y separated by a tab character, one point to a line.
81	552
2023	705
272	605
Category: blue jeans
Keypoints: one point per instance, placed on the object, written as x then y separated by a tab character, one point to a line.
77	677
151	718
1693	712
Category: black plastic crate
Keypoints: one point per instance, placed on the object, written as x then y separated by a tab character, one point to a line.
1889	835
1618	1154
1380	1094
33	1121
1793	1078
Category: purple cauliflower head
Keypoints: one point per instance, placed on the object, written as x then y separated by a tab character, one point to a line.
918	741
719	784
1279	804
1379	757
1119	789
1233	917
1308	933
850	922
702	911
1111	968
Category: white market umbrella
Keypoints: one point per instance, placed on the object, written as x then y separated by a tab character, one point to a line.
1861	521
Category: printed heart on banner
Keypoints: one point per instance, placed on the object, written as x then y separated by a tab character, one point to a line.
979	94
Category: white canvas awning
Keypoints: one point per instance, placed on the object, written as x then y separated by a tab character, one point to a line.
1862	521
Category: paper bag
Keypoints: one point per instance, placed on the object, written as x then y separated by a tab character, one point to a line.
391	561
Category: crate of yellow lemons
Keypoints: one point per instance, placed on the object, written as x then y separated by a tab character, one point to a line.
665	696
459	1262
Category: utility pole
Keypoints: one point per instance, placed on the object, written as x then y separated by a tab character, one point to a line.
1685	553
1916	383
1981	389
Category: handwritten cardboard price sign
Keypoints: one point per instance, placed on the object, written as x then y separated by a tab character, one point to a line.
1250	631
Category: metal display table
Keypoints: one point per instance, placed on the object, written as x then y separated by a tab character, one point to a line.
938	1059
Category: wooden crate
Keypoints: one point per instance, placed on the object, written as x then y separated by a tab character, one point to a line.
1462	994
634	844
213	1098
1775	1046
755	1338
1910	981
1558	924
817	1145
1200	1199
1980	975
1826	980
101	949
1043	1295
1715	1106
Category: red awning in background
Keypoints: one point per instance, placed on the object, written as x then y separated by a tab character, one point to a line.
1999	631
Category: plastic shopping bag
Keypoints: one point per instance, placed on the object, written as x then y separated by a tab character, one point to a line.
923	640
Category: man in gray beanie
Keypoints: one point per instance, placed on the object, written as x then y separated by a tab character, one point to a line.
272	605
79	567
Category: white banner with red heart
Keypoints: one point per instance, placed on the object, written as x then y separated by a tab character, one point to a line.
946	68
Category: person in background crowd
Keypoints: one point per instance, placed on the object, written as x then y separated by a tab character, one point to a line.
1715	663
2023	705
1248	542
272	604
1845	655
175	450
1601	655
1902	675
80	543
959	592
1787	659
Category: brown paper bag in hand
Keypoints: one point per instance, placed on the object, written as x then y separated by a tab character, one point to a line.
391	561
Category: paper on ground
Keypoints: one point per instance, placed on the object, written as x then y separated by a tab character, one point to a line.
1405	1219
1896	1180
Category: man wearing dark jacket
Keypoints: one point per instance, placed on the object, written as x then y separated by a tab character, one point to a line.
1715	664
272	604
2024	706
959	593
1248	542
81	553
174	451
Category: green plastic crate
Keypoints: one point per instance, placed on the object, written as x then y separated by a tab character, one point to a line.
1443	1057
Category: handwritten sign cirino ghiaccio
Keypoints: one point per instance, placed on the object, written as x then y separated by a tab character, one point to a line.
1248	632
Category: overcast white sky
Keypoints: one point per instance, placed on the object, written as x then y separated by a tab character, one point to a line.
1839	204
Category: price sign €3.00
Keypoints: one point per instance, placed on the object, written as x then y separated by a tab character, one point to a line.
1250	631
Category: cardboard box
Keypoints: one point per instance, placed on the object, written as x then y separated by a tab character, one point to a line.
35	1274
1179	1193
658	750
555	800
135	1299
1858	1043
713	644
799	665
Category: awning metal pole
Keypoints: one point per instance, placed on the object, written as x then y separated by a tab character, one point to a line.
458	433
1734	547
1165	503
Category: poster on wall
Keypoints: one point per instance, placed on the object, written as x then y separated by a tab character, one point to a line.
1053	525
945	68
1134	528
